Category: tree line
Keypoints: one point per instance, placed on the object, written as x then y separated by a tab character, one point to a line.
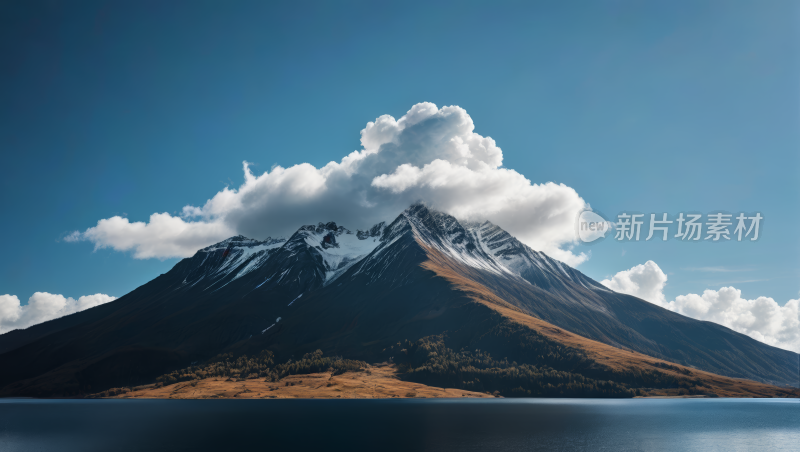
261	366
430	361
533	365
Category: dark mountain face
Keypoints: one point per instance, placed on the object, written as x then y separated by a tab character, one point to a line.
356	294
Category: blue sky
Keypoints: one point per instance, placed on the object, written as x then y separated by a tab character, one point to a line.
132	108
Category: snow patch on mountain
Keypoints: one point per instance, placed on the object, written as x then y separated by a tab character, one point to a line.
448	235
338	247
235	256
253	256
507	250
298	297
521	259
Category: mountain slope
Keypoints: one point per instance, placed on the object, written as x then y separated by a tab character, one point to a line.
565	297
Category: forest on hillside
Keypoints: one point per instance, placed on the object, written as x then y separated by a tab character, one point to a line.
515	361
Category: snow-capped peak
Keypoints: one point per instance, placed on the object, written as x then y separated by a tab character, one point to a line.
486	246
534	266
337	246
375	231
446	234
235	256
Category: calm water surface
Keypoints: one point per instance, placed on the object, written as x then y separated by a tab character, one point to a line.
436	425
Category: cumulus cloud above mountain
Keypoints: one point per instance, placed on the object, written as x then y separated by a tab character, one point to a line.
645	281
762	318
43	306
430	154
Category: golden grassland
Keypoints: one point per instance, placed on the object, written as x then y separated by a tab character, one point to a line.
375	382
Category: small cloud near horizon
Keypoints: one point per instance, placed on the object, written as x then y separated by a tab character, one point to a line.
43	306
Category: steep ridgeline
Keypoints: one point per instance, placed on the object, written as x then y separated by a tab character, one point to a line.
358	295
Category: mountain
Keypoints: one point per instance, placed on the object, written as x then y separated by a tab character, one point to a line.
426	281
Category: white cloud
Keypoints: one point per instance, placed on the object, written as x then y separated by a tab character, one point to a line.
43	306
163	236
645	281
429	154
762	319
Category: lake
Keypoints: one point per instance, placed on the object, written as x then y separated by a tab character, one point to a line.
422	424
